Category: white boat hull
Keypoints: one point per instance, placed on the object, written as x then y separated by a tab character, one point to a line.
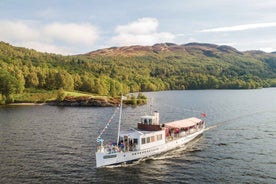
105	159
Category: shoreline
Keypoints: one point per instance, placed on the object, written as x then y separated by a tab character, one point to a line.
82	101
26	104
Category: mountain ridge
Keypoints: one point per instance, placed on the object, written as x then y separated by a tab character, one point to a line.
156	48
168	47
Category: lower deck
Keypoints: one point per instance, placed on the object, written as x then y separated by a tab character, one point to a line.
104	159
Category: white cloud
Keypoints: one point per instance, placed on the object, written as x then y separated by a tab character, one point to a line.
50	37
241	27
46	47
18	31
141	26
72	33
140	32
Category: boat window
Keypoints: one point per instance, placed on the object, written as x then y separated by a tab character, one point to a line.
135	141
143	141
152	138
159	137
148	139
150	121
145	121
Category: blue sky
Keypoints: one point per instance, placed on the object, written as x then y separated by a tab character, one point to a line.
80	26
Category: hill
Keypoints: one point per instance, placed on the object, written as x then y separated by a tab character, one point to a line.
195	65
117	70
137	50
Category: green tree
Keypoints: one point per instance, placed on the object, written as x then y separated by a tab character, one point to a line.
21	81
8	85
113	92
77	81
101	86
64	80
42	78
32	80
61	95
50	80
115	88
88	84
141	99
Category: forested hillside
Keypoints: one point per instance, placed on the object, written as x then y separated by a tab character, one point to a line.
137	68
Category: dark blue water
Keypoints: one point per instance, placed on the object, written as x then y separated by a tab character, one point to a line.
46	144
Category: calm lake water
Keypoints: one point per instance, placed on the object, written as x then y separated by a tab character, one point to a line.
47	144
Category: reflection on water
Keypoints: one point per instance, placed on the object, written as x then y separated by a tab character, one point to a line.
46	144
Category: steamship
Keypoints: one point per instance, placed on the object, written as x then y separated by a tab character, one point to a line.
149	138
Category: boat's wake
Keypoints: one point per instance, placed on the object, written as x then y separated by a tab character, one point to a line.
129	164
161	157
211	127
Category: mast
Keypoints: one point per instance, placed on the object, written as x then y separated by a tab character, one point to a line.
151	106
120	117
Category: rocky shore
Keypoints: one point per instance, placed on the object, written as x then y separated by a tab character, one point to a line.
85	101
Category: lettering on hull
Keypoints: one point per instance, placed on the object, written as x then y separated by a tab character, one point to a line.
109	156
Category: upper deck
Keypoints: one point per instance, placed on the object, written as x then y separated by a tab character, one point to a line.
184	123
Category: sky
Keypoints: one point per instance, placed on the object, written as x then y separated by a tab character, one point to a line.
79	26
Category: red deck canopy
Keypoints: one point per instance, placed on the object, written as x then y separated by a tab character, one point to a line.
185	123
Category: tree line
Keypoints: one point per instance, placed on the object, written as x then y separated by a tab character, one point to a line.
22	69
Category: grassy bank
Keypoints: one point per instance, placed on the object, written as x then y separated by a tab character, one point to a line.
70	98
35	96
41	96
